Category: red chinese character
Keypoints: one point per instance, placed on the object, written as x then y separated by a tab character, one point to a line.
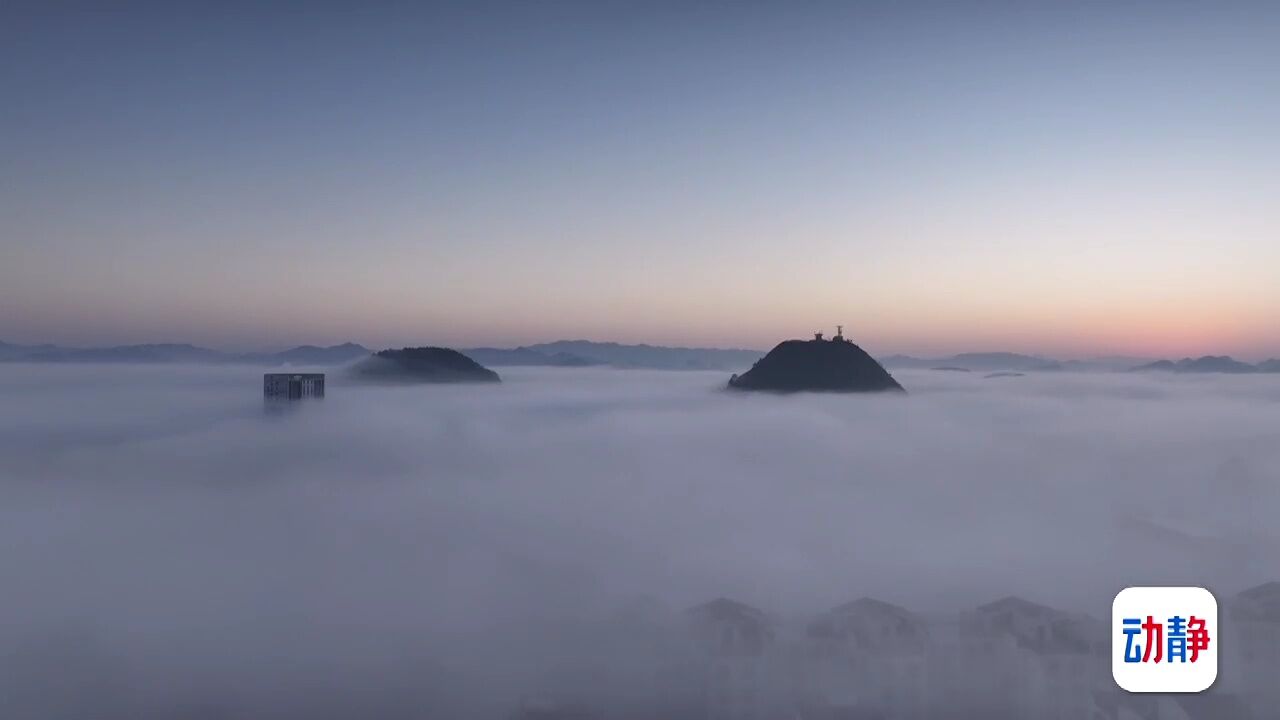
1197	637
1155	638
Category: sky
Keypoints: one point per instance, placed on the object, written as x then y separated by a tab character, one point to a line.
1070	179
170	550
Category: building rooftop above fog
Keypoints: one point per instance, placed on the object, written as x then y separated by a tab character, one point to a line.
730	627
872	624
292	386
1042	629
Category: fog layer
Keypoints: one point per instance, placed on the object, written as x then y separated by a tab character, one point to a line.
168	547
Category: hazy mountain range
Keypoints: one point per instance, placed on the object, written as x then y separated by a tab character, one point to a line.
984	361
1006	362
181	353
1210	364
570	353
562	353
583	353
523	356
1011	362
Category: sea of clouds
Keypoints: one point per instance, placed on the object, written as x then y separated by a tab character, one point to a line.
169	547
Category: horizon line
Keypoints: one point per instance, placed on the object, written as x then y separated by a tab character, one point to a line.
509	346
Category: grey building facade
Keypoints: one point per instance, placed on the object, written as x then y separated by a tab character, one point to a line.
292	386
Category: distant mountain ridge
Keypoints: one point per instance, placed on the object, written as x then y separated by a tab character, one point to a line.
181	353
525	357
313	355
1016	362
574	353
561	353
1210	364
977	361
582	353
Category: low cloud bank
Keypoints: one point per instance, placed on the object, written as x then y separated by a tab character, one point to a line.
170	549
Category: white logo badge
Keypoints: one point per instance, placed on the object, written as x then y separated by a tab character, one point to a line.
1164	639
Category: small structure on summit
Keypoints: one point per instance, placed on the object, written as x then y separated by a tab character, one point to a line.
835	365
839	336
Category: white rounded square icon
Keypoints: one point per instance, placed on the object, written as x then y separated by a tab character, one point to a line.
1164	639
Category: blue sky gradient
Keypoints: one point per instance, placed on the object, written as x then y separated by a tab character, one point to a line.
1067	178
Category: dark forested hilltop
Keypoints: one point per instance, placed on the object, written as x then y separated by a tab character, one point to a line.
834	365
422	364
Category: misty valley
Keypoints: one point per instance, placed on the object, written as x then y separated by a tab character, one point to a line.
604	543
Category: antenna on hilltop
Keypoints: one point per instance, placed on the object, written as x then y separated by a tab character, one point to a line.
839	332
